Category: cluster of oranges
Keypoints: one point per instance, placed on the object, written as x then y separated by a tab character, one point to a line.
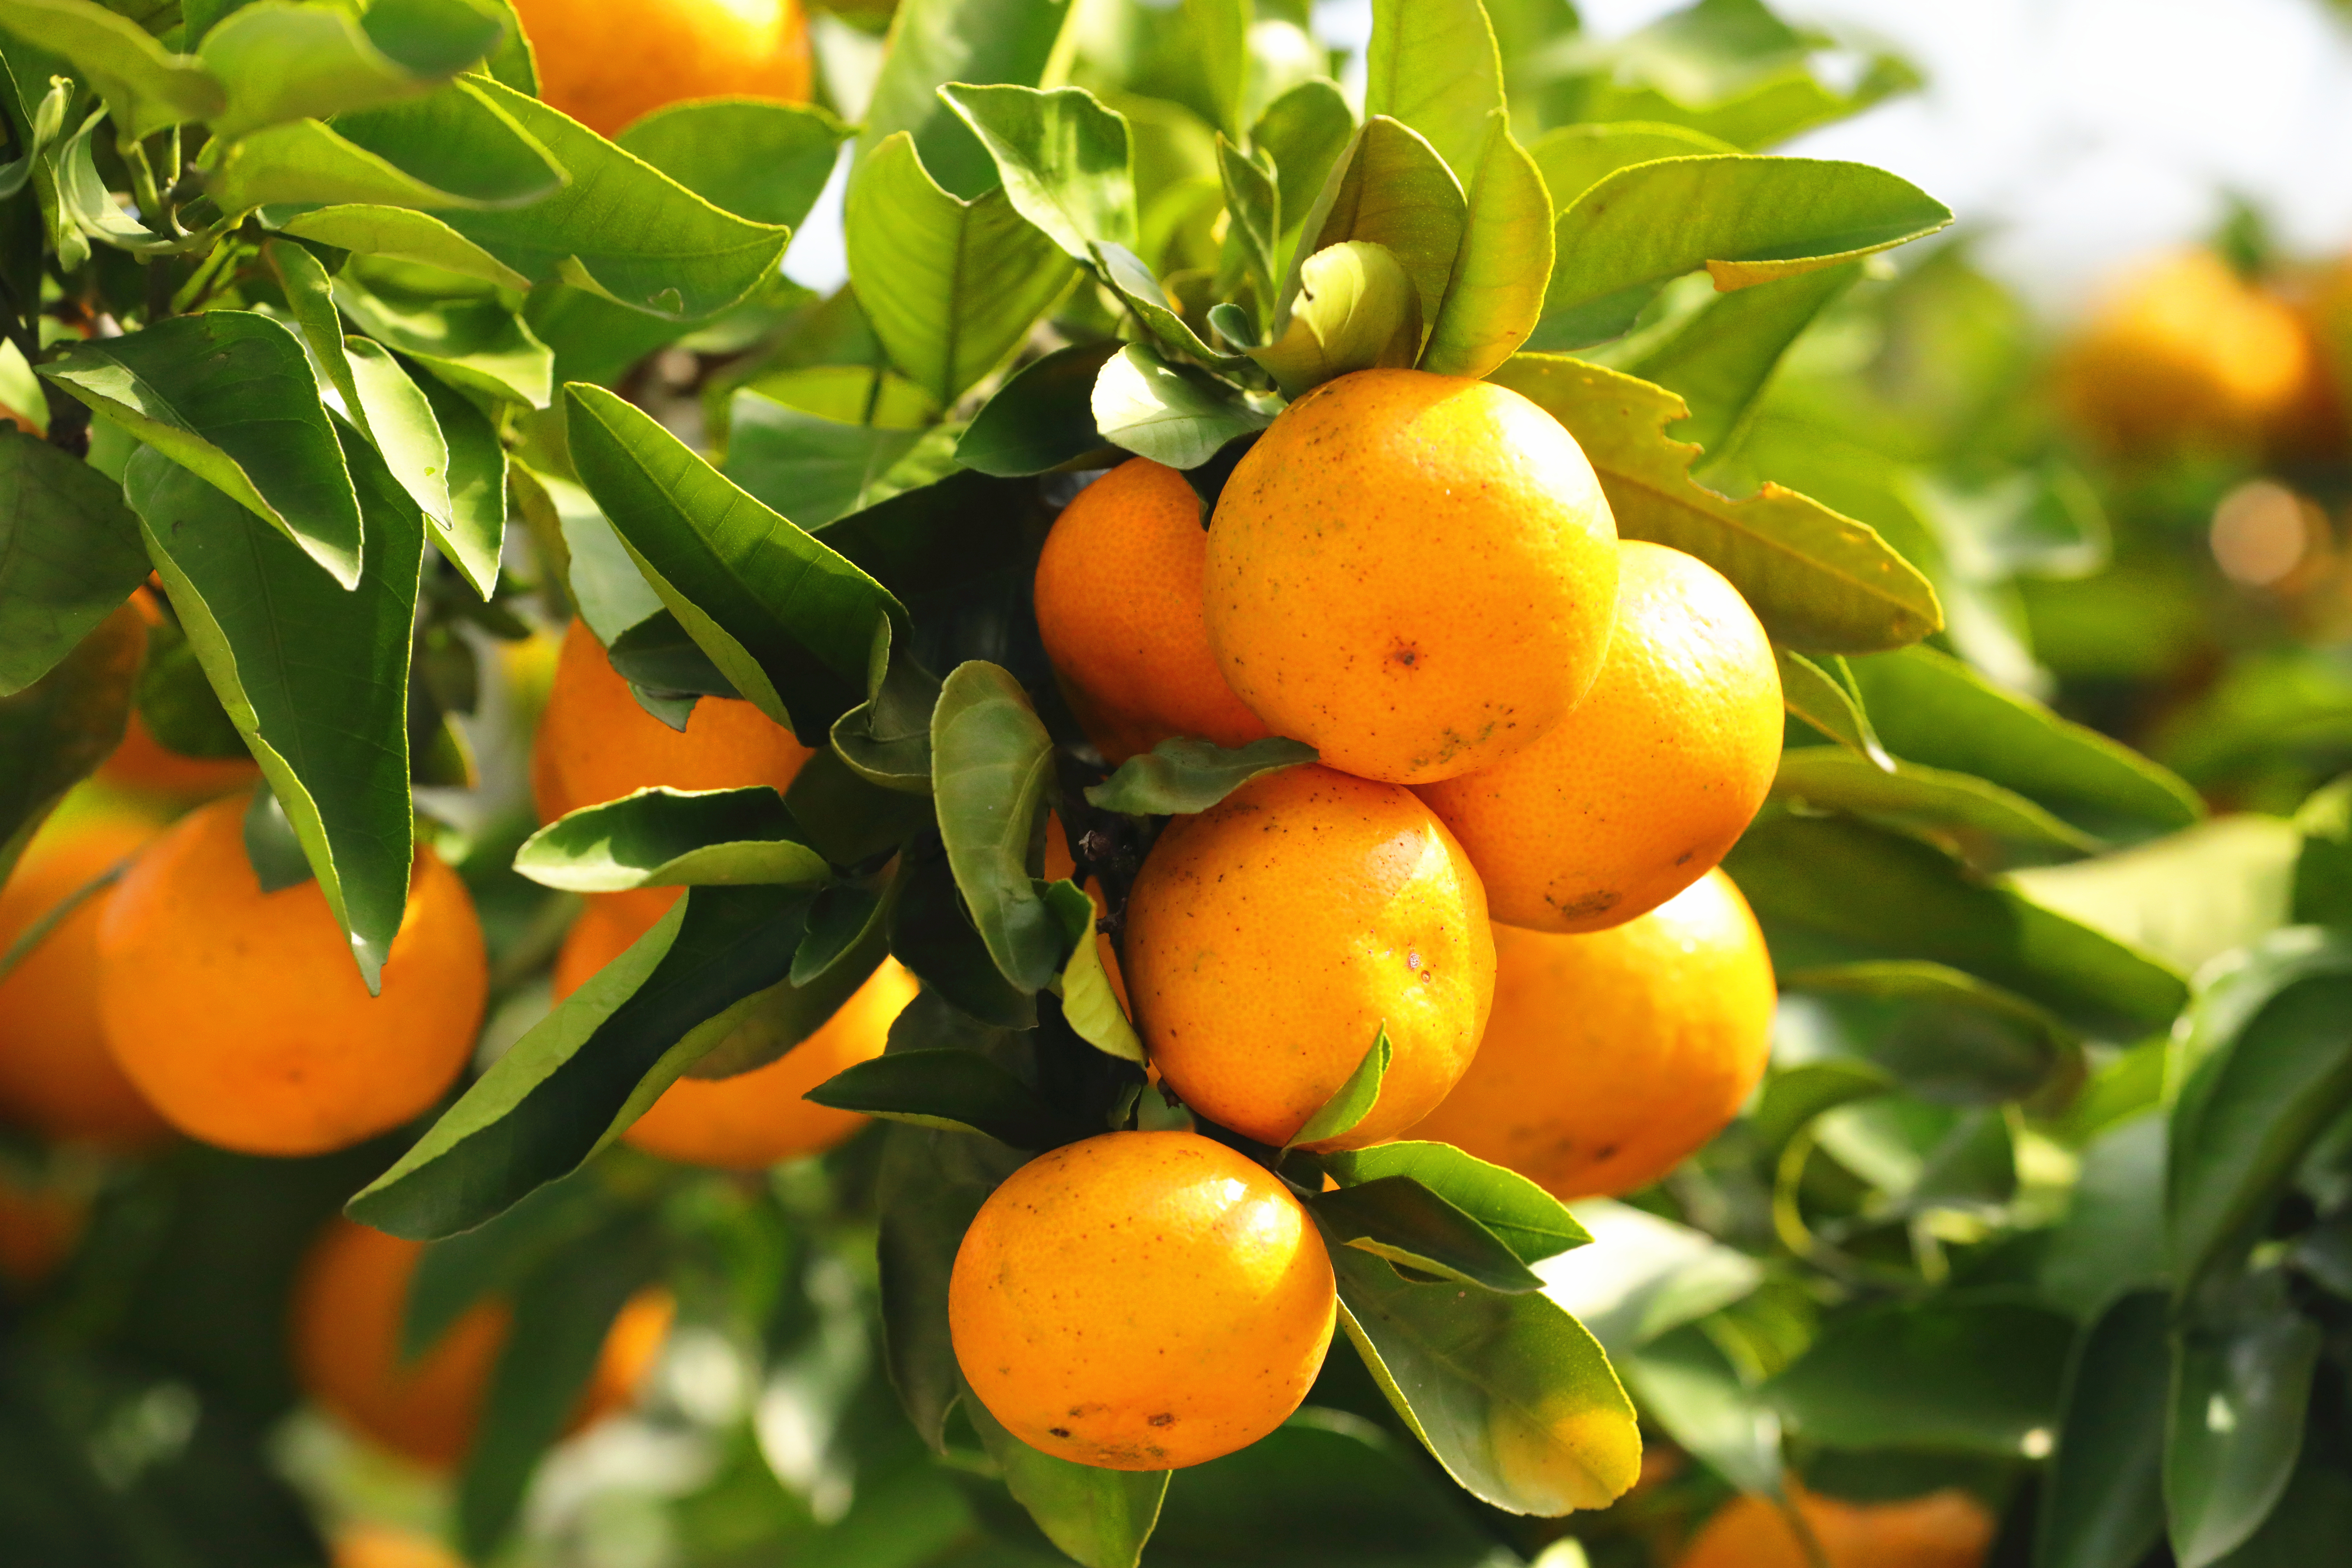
1536	740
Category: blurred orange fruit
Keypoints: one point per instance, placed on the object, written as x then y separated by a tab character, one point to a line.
1942	1530
142	766
40	1223
608	62
379	1546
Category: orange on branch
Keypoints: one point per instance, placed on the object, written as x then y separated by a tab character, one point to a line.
346	1314
754	1118
1118	606
1142	1302
57	1076
608	62
1652	779
1612	1055
1947	1529
1273	937
241	1017
1415	574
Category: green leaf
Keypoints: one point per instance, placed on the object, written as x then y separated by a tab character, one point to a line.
70	555
1827	778
2241	1389
229	396
1644	1276
1141	292
1253	223
811	470
1794	1098
1686	1383
776	610
1088	1004
620	228
1976	1376
950	1090
272	846
1946	1036
477	345
1532	1223
1819	581
1305	130
1100	1518
2112	1239
1509	1393
2323	863
886	738
454	1273
673	838
279	61
146	86
951	286
473	533
1392	189
1434	64
453	149
1746	220
1574	159
992	776
1354	309
1397	1218
1220	31
2310	1517
175	699
1835	890
1185	775
400	233
931	1185
1352	1100
1935	709
1042	419
762	160
1829	704
1063	157
1719	363
2244	866
2269	1068
84	200
1171	414
1495	293
54	732
315	677
848	819
932	935
934	42
2103	1506
589	1068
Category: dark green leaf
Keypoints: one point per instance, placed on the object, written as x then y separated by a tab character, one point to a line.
844	915
2103	1506
1397	1218
779	1018
991	777
1720	361
1352	1100
315	677
1574	159
1392	189
458	1271
810	469
950	1090
286	62
759	160
1171	414
1949	1037
934	42
2310	1519
2240	1392
1829	778
272	846
1685	1382
848	818
1976	1376
145	85
933	936
2112	1239
1494	292
70	555
229	394
1063	159
1042	419
1827	702
1100	1518
1532	1223
57	729
1254	226
2323	865
1183	775
674	838
1089	1006
176	700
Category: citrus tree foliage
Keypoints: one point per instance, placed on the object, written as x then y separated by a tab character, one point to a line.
320	317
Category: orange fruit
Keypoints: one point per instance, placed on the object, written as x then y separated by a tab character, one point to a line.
1270	939
754	1118
1118	606
1652	779
1414	573
608	62
142	766
241	1017
379	1546
596	743
1610	1055
1061	866
40	1223
346	1313
2184	354
1947	1529
1142	1302
57	1076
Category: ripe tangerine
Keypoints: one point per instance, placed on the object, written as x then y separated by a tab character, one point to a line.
608	62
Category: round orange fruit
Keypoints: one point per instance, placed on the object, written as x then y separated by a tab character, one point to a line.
608	62
241	1017
1942	1529
1652	779
1271	939
1415	574
1118	606
1142	1302
1611	1056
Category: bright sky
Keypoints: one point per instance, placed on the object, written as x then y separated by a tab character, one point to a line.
2074	134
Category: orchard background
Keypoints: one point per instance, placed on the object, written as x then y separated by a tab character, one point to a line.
407	469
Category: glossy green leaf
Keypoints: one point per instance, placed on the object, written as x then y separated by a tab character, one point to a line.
2241	1389
933	935
1306	130
2112	1239
1978	1376
581	1075
931	1185
402	233
759	160
1819	581
2311	1516
848	818
2242	866
1494	292
1946	1036
829	966
1397	1218
1746	220
455	149
886	738
1142	293
1829	704
1354	1098
992	777
1794	1098
809	468
1434	64
673	838
1643	1275
2104	1505
472	534
278	60
1062	158
1720	362
1532	1223
477	345
776	610
1185	775
1685	1382
1574	159
1100	1518
1829	778
1508	1393
934	42
315	677
1254	222
84	201
70	555
1392	189
458	1271
1042	419
229	396
950	1090
1089	1004
145	85
951	286
54	732
1171	414
1354	309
